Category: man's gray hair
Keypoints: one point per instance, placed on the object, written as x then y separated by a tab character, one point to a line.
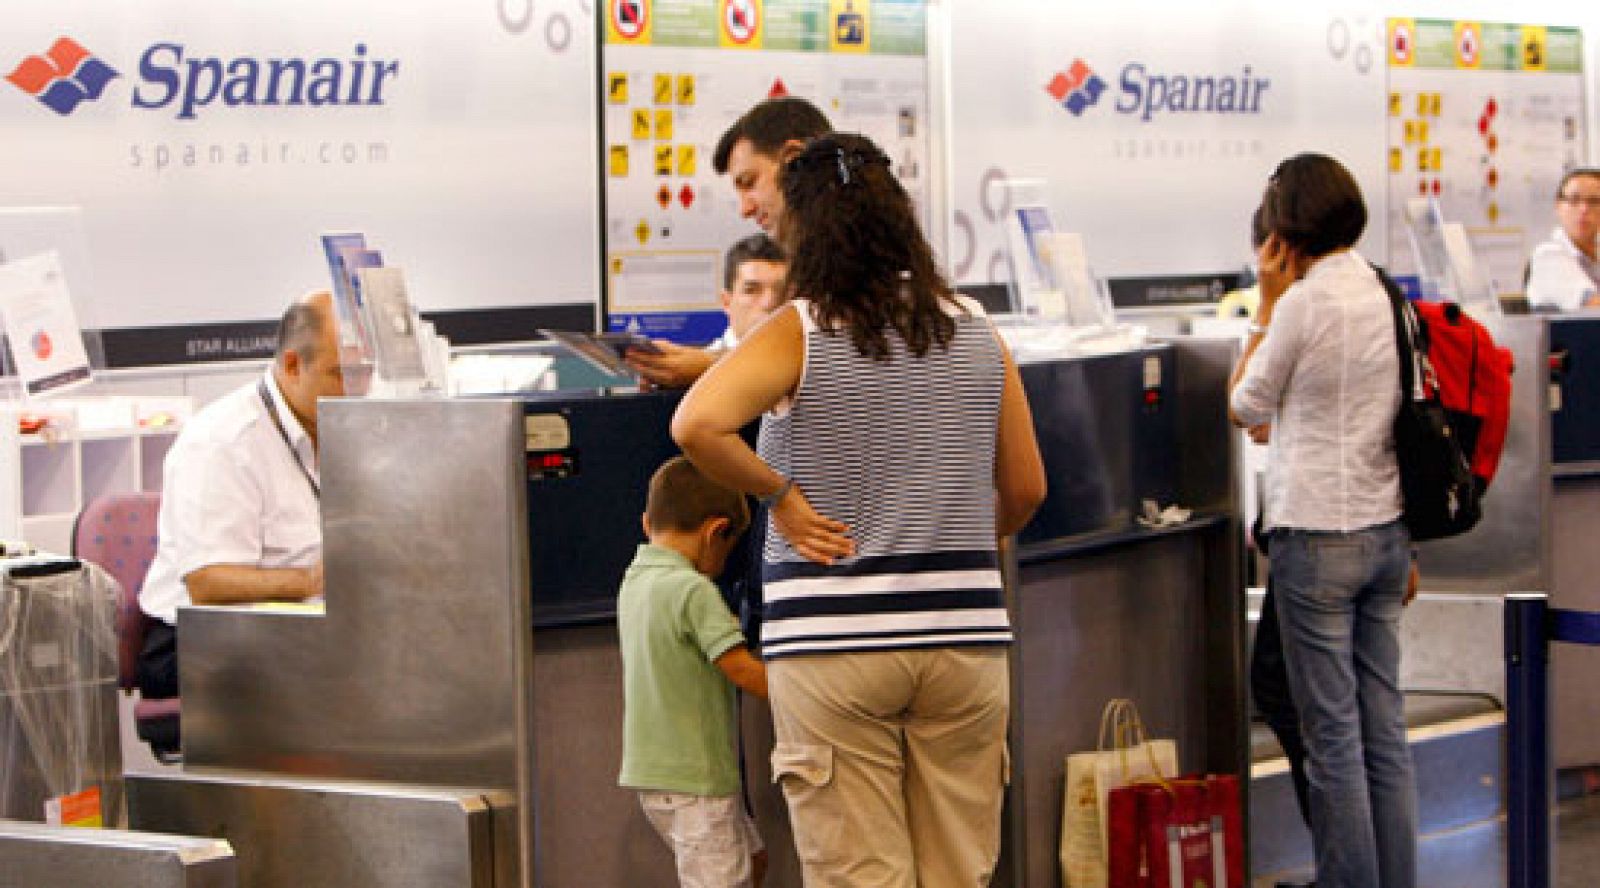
300	330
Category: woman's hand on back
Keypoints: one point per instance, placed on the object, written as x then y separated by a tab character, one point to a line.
812	534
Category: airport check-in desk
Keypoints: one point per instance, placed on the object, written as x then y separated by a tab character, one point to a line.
1575	521
467	659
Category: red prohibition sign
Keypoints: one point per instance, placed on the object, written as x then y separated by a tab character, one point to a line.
740	19
629	17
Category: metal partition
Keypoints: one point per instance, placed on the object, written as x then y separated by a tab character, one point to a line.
296	831
420	671
1112	609
39	856
1510	548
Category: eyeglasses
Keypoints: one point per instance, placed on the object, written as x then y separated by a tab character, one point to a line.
1578	200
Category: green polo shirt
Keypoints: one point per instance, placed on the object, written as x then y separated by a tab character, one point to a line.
677	726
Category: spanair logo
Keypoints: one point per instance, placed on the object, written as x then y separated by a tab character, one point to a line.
172	77
63	78
1149	93
1077	88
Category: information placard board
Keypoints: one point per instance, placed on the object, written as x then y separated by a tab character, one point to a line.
674	74
1483	117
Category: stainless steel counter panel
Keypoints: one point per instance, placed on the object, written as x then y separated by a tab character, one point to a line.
1510	549
1094	430
33	855
423	552
292	832
1124	611
419	670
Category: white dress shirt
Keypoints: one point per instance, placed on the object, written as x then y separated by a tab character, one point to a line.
1327	378
1559	275
233	492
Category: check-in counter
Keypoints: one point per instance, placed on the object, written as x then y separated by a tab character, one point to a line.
1105	606
1574	426
468	644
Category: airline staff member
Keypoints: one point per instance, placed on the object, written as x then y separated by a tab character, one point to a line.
241	520
1564	272
752	286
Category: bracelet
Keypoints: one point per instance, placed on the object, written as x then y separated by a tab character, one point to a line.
773	498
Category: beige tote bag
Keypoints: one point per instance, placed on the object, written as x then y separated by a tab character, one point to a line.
1131	758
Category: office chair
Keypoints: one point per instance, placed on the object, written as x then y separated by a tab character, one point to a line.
118	533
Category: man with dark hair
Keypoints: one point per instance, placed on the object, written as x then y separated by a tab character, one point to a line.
1564	271
751	152
752	286
240	515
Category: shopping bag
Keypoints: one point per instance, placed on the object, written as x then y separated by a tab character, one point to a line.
1091	776
1182	833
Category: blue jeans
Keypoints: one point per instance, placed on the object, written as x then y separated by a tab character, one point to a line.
1339	602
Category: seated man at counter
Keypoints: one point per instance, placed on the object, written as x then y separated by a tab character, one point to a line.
1564	272
751	152
241	520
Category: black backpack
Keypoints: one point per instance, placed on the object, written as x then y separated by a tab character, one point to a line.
1440	497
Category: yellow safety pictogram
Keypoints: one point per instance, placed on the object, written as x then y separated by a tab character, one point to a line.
619	160
686	89
1534	49
641	123
685	160
663	160
663	124
617	88
663	90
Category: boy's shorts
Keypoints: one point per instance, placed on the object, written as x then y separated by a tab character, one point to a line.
711	837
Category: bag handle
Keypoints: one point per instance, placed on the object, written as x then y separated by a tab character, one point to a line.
1417	379
1121	715
1111	717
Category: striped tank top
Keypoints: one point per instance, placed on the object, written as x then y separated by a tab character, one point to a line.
903	452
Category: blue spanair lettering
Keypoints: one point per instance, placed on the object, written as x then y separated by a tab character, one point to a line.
150	71
195	83
1148	95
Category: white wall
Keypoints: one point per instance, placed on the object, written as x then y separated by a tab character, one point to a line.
476	171
1172	194
488	193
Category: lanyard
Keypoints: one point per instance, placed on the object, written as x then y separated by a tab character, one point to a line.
277	423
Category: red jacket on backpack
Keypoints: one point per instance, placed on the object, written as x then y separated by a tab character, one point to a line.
1474	380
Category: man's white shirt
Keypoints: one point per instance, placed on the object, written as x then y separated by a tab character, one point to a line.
1559	275
233	492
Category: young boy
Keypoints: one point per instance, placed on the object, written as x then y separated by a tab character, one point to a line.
681	648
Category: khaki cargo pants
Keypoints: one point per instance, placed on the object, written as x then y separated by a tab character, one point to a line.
894	764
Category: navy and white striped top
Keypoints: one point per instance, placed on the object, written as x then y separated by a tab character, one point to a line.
903	451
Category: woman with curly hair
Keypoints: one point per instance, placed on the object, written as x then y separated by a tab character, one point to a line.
896	448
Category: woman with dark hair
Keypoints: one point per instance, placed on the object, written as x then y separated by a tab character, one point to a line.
896	448
1321	367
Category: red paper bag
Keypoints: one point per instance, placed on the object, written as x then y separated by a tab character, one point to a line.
1183	833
